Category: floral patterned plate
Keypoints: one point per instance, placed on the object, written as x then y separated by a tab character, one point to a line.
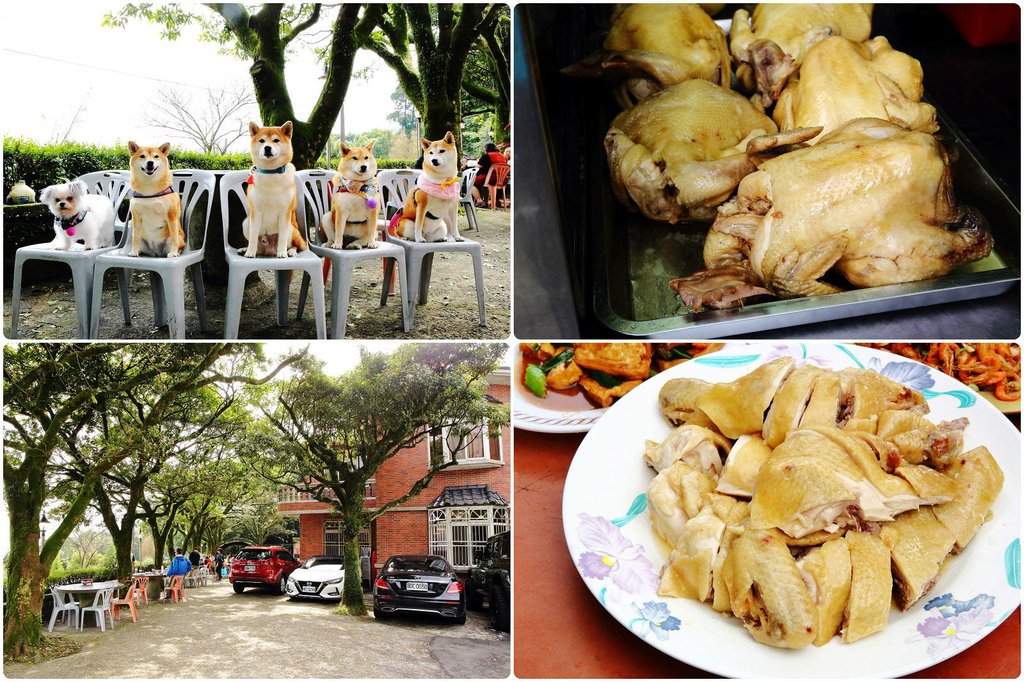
619	558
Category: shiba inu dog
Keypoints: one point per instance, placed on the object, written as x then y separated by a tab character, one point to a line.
154	205
79	216
354	207
432	209
271	228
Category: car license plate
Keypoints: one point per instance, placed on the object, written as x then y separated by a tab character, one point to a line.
309	588
249	568
419	587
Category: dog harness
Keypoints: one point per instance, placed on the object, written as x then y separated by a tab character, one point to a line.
165	192
446	189
264	171
69	224
365	190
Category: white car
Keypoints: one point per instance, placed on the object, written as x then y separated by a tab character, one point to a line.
319	577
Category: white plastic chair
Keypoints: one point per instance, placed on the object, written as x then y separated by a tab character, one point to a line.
202	575
396	184
233	184
112	184
166	275
61	605
101	608
419	256
312	205
466	197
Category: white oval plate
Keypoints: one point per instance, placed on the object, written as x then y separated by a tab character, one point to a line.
619	558
532	417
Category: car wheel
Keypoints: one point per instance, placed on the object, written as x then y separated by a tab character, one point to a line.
461	619
282	584
380	615
474	600
238	588
500	615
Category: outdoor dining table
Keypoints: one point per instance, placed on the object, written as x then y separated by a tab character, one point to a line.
86	594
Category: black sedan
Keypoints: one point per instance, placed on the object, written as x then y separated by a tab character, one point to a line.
417	583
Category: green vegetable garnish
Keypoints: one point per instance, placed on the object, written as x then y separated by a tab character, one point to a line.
603	378
677	352
562	358
535	381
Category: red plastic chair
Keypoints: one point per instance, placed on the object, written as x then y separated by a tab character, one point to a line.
176	588
496	179
129	601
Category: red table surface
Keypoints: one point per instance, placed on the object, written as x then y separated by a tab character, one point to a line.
561	630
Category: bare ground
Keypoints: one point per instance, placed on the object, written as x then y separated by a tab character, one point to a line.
48	309
219	634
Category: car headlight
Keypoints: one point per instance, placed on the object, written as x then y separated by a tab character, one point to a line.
291	581
335	581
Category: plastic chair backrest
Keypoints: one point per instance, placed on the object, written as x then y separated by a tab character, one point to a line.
190	185
58	598
468	178
497	175
313	202
232	184
130	594
114	185
397	184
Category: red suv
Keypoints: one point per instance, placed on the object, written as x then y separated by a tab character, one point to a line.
262	567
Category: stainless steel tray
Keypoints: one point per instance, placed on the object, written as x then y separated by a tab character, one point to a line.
622	262
637	257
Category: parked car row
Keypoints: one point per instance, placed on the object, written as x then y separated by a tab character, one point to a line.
406	583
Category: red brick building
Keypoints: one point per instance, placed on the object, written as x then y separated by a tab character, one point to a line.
463	505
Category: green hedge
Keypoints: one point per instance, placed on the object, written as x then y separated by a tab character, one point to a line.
75	575
44	165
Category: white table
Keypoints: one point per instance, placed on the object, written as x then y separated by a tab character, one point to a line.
81	592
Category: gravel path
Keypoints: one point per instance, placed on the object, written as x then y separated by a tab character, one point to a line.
48	309
219	634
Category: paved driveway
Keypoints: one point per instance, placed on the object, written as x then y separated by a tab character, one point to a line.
218	633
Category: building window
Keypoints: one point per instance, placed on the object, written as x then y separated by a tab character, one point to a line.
479	446
370	490
333	543
457	533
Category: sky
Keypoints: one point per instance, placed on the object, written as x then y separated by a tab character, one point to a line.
55	56
337	357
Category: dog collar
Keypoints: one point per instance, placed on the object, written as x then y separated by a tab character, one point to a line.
165	192
69	224
272	171
366	190
447	189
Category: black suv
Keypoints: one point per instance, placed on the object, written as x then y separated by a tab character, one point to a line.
492	578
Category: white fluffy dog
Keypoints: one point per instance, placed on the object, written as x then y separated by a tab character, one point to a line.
79	216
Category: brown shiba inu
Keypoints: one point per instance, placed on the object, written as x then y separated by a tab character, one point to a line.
432	209
354	208
271	227
155	206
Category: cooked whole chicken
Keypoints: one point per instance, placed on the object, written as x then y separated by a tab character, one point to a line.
651	46
841	80
770	45
870	201
681	152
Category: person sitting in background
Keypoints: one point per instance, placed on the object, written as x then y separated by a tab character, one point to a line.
180	565
490	157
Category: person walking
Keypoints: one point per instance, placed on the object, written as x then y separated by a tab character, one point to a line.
219	561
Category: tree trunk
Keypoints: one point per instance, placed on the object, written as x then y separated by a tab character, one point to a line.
352	589
123	550
24	581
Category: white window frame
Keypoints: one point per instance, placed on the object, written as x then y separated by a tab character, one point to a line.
371	486
481	432
451	531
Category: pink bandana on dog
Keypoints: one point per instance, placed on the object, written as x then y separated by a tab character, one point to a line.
446	189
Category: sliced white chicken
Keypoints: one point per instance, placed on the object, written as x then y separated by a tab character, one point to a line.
674	497
827	572
742	466
738	407
699	447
